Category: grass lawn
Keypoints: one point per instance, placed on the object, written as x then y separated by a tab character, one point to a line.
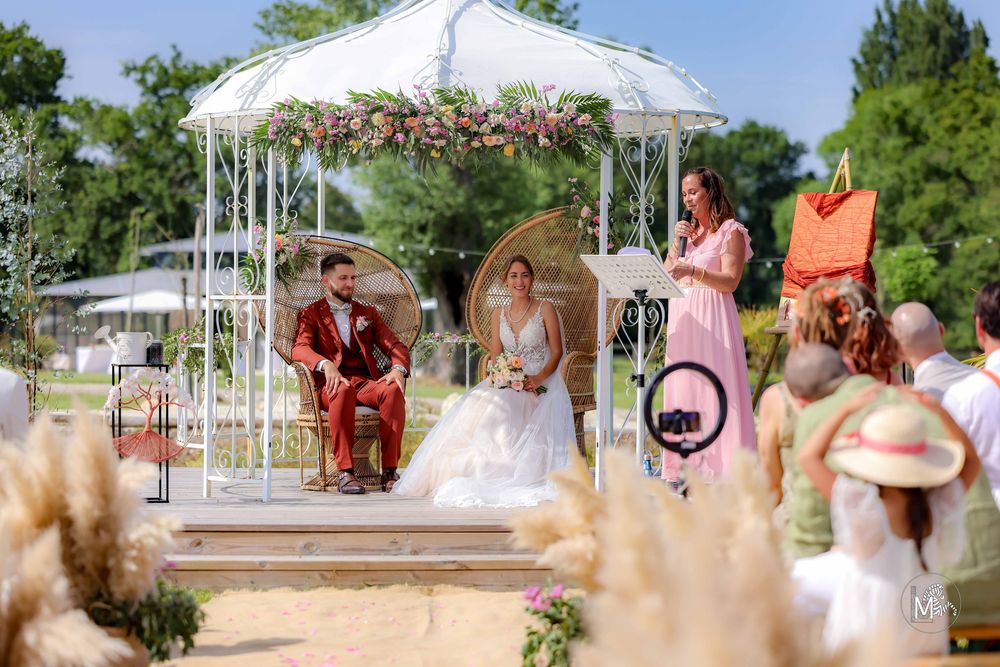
64	401
66	377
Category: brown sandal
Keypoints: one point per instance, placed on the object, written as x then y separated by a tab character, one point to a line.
389	480
349	484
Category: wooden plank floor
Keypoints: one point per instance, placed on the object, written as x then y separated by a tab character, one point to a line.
306	538
238	506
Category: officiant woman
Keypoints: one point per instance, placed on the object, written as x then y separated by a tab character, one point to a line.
704	327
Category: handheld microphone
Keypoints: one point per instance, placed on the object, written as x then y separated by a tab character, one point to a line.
686	217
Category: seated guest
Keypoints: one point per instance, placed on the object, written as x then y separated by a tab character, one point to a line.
919	335
898	513
975	401
812	371
809	532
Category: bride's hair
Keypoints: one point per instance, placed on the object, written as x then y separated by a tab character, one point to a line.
518	259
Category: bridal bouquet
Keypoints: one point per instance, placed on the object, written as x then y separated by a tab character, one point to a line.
507	372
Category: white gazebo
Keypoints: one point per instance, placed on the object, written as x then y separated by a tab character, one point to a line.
477	44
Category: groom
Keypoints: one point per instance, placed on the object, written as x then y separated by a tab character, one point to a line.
336	339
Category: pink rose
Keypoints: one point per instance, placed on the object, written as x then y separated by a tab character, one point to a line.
517	385
585	212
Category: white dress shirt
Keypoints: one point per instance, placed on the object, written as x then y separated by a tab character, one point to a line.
938	372
975	405
342	317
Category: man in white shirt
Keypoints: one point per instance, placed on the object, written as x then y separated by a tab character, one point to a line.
919	334
975	401
13	406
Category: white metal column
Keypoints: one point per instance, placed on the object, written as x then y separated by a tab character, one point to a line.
673	177
605	392
266	432
209	274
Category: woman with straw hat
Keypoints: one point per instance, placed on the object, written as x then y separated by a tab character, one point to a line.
898	514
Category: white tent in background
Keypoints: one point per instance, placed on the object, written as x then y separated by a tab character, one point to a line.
153	301
477	44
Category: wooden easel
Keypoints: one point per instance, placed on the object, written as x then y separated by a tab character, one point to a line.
841	178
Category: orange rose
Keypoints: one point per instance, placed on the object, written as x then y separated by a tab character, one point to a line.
516	362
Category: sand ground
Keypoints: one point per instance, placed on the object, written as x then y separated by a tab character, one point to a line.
402	626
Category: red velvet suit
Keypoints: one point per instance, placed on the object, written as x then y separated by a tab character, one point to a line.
317	339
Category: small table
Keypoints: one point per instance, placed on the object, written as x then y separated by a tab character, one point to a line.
162	427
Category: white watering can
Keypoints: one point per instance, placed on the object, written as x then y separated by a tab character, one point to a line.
129	346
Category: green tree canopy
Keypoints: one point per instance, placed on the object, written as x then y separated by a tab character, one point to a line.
29	70
913	42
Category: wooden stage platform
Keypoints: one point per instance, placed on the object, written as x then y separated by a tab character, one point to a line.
307	539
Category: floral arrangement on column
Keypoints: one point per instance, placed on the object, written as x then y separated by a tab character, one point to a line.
291	255
584	209
146	391
452	125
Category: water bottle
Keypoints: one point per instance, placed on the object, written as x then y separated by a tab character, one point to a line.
647	465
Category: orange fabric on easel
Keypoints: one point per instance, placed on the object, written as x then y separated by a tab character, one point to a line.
832	237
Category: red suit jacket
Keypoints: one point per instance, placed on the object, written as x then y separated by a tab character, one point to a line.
317	338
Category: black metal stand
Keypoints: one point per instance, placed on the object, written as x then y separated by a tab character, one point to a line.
162	427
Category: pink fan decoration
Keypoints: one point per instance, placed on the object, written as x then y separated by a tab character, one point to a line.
145	391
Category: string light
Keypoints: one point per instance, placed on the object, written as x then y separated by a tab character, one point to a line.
768	262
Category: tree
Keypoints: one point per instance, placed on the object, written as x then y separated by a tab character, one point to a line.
29	70
930	149
915	42
29	261
292	21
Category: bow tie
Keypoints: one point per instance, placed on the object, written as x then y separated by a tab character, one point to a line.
343	308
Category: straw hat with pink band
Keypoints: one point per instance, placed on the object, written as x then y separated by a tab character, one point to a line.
891	448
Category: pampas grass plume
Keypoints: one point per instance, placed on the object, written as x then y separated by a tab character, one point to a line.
39	626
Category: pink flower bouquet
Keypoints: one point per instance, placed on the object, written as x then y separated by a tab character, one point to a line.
507	372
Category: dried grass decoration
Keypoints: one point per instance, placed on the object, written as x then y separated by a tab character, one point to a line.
146	391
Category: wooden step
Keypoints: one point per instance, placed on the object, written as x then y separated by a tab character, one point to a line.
489	572
343	543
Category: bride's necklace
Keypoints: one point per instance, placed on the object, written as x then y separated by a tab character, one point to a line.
511	320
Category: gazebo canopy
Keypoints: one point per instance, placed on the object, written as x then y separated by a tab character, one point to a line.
478	44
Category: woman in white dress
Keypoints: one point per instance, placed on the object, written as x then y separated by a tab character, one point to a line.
496	447
897	514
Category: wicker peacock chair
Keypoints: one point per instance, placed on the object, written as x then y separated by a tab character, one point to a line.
550	241
381	284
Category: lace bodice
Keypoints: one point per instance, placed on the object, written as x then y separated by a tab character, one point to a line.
531	344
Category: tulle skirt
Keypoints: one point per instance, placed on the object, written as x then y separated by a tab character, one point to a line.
494	448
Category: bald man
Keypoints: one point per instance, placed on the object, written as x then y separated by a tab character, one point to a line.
919	335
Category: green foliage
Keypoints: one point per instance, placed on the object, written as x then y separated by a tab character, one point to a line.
29	70
914	42
753	322
428	343
29	261
930	149
291	21
191	341
558	623
908	274
169	615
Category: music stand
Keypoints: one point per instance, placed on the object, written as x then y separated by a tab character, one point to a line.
638	277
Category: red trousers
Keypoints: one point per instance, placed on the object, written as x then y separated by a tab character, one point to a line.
385	397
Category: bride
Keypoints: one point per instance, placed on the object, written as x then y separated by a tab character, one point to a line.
495	447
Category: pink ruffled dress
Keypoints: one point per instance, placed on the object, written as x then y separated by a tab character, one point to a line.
704	327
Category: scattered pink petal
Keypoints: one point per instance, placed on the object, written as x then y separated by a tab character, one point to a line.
355	651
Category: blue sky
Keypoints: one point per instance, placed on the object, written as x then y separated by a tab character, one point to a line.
783	62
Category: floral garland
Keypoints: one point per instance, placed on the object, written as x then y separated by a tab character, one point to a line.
291	256
584	209
427	343
449	124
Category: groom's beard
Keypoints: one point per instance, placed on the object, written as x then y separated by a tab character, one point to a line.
344	294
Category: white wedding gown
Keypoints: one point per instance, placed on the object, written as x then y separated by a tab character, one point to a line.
495	447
